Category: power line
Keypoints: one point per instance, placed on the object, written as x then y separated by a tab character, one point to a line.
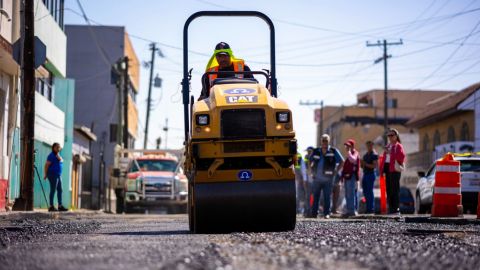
292	64
94	37
448	58
455	75
436	46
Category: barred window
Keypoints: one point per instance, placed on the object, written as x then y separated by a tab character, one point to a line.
465	132
451	134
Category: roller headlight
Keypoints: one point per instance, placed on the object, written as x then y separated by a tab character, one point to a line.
283	117
202	119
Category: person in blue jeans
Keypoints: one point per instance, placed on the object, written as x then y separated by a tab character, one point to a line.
350	176
326	161
53	171
369	165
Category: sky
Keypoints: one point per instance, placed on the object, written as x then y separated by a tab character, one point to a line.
320	49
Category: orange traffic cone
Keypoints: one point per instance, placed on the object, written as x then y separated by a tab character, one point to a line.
447	196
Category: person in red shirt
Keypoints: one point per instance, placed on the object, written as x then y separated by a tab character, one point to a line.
394	160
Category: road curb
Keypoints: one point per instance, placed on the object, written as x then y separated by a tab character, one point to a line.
438	220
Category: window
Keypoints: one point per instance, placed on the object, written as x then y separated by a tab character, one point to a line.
393	103
436	139
465	132
56	8
45	88
156	165
426	142
451	134
431	171
472	165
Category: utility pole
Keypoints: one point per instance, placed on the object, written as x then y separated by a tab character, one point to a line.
117	75
158	142
126	89
153	48
25	202
165	128
316	103
384	58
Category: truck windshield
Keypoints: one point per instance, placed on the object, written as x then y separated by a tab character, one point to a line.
470	165
155	165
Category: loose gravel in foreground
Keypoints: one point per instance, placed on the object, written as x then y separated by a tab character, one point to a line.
103	241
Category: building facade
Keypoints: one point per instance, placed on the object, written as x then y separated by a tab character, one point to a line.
54	98
92	50
364	120
447	124
9	85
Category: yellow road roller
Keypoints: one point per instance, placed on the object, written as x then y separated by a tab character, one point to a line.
240	149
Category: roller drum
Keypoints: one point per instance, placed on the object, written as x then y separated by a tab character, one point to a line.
257	206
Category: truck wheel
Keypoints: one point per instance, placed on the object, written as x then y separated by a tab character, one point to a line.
419	207
120	194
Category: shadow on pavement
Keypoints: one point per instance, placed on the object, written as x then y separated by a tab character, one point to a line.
151	233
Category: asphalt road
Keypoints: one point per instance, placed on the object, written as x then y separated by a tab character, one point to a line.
103	241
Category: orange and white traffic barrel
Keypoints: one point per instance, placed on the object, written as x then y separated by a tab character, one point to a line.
447	193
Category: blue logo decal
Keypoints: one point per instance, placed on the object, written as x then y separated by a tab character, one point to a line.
245	175
239	91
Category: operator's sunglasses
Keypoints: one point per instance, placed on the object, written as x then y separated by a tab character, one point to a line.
391	135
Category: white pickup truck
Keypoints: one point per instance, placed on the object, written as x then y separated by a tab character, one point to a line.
152	179
470	185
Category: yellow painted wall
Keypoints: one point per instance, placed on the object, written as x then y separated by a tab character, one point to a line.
134	64
132	117
456	121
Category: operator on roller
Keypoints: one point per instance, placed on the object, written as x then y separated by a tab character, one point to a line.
222	60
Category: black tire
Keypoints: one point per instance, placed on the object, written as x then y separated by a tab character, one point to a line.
127	209
419	207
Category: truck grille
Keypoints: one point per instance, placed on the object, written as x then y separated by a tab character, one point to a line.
156	189
243	123
243	147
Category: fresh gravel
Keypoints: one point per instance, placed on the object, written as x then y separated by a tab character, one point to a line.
26	230
103	241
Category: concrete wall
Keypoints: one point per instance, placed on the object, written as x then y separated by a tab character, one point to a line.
49	121
64	100
47	29
473	103
95	97
5	25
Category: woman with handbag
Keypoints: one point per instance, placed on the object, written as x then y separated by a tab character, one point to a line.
394	164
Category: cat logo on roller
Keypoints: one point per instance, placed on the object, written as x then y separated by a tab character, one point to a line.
242	99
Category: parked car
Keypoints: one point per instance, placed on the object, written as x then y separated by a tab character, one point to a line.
470	185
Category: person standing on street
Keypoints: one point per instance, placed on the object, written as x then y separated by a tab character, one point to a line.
350	176
326	161
369	165
53	171
307	181
300	177
394	160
